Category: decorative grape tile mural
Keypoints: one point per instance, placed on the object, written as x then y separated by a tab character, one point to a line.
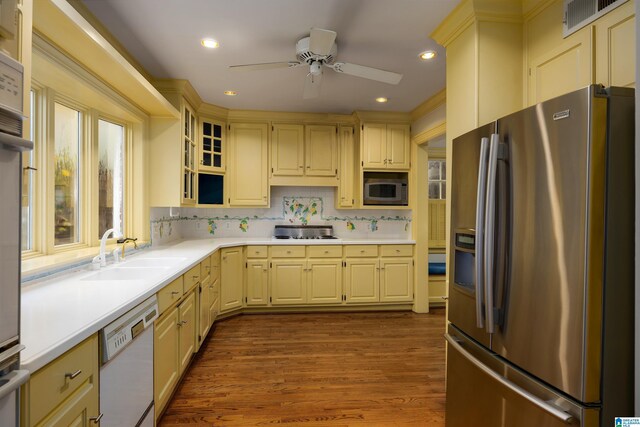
289	205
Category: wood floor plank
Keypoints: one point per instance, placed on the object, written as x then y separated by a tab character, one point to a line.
333	369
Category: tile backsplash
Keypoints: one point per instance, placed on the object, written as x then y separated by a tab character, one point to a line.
289	205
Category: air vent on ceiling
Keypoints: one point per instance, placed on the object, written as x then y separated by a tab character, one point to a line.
579	13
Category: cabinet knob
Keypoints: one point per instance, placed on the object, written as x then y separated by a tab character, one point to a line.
175	292
362	251
301	167
288	252
398	250
445	298
264	197
308	167
326	252
73	375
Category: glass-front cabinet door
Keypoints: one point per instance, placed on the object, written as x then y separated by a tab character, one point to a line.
189	156
212	140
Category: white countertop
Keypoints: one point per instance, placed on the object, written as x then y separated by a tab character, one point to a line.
59	313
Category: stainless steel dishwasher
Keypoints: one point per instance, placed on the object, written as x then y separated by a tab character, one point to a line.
126	373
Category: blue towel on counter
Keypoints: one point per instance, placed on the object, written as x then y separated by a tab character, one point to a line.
437	268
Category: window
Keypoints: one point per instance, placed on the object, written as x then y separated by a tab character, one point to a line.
437	179
110	176
67	124
28	169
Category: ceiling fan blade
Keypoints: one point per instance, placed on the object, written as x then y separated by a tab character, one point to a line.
264	66
312	86
321	41
367	72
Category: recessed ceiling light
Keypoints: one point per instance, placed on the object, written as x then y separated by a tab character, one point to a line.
230	92
381	99
210	43
429	54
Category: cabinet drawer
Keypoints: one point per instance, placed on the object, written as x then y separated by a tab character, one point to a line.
396	250
170	294
256	251
288	251
361	250
333	251
191	277
52	384
205	267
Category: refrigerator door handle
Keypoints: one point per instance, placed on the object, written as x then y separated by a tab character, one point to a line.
480	212
489	231
14	380
556	412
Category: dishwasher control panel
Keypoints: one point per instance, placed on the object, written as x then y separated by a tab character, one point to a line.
118	334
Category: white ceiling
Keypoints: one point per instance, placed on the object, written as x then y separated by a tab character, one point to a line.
164	36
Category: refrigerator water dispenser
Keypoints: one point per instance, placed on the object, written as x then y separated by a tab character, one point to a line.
464	260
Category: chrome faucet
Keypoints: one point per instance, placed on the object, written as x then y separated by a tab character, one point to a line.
100	260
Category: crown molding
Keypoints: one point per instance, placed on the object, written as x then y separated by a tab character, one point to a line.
429	105
181	87
471	11
383	117
289	117
429	134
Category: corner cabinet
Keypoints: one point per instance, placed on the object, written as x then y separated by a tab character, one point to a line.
248	164
231	278
386	146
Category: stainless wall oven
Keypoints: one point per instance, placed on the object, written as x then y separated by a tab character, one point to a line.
11	147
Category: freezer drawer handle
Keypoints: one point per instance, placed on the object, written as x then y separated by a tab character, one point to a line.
558	413
15	380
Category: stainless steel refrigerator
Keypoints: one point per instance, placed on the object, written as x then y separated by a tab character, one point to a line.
11	148
541	296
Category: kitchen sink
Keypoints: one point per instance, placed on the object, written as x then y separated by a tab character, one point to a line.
123	274
167	262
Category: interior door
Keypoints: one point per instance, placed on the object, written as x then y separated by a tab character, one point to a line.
547	290
464	188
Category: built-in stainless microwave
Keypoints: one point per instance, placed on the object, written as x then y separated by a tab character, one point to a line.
385	191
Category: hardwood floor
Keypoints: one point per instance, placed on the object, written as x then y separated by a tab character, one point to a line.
334	369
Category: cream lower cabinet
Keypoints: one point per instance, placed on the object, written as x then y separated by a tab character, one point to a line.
53	398
288	284
362	280
257	277
174	344
324	281
166	358
231	278
396	279
204	314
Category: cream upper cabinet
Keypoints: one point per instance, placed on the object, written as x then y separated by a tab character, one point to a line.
321	154
288	285
257	282
287	150
231	278
396	279
248	177
298	150
386	146
211	145
345	195
375	145
362	280
189	153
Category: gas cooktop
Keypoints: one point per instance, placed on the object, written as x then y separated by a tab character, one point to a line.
304	232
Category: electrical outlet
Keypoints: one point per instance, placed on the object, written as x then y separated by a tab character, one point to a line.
198	225
227	225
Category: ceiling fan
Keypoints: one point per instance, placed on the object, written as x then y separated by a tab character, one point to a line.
319	50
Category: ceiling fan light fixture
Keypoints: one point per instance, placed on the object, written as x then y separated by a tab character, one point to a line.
427	54
381	99
210	43
230	92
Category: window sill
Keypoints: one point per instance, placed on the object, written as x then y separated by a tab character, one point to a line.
35	267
